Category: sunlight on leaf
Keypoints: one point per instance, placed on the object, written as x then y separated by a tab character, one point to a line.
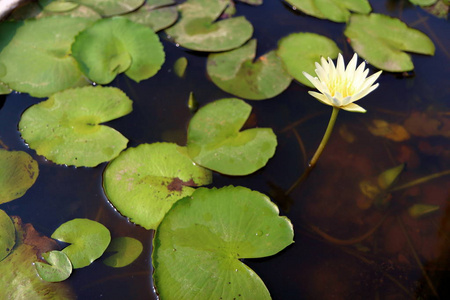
58	268
156	14
125	249
7	235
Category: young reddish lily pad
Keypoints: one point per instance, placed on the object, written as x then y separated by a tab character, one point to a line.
7	235
67	128
199	244
115	45
126	250
18	172
89	240
144	182
58	268
237	73
215	142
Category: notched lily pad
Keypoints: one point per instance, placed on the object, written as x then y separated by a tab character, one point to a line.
199	245
58	268
382	40
300	51
18	172
144	182
156	14
237	72
125	249
115	45
67	128
7	235
216	142
198	29
89	240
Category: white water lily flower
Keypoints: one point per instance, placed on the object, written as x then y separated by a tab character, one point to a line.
340	86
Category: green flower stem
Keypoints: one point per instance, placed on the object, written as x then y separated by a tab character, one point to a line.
319	150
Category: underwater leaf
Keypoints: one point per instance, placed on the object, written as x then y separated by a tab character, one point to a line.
18	172
179	66
88	240
143	182
419	209
197	29
439	9
199	244
392	131
58	268
35	55
216	142
334	10
237	73
57	6
388	177
19	279
116	45
7	235
300	51
127	250
111	7
66	128
155	14
382	40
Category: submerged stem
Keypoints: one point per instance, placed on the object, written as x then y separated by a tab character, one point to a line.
420	180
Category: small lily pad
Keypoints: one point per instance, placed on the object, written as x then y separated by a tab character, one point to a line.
109	8
67	128
58	268
126	250
300	52
89	240
423	2
382	40
7	235
199	245
144	182
237	73
115	45
198	30
18	172
156	14
57	6
215	142
179	66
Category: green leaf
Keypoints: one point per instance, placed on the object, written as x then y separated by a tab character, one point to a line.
155	14
127	250
388	177
143	182
67	128
35	55
215	142
196	30
382	40
7	235
4	89
237	73
180	66
111	7
57	6
199	244
419	209
89	240
300	52
58	268
423	2
116	45
18	172
334	10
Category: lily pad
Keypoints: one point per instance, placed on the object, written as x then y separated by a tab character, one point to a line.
300	51
7	235
334	10
115	45
57	6
109	8
4	89
382	40
197	29
67	128
89	240
199	245
179	66
33	10
143	182
35	55
215	142
156	14
126	250
58	268
237	73
423	2
18	172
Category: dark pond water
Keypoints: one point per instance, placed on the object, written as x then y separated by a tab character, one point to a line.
404	258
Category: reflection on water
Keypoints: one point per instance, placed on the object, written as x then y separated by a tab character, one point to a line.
346	246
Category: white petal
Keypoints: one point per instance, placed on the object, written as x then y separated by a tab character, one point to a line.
364	92
351	67
338	98
347	100
331	69
321	97
323	75
340	66
354	108
331	100
370	80
317	84
325	65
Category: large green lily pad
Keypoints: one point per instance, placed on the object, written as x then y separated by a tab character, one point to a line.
34	10
216	142
144	182
115	45
19	280
67	128
237	73
156	14
18	172
300	51
111	7
197	29
4	89
382	40
7	235
35	55
88	240
200	242
334	10
126	250
57	269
